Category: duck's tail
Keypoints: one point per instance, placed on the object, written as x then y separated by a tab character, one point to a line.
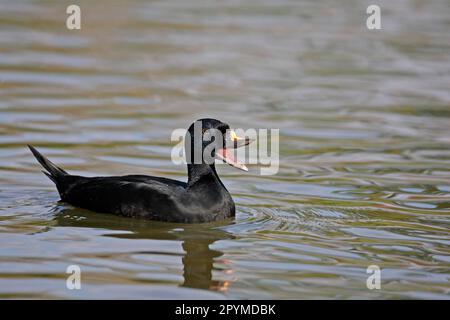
54	172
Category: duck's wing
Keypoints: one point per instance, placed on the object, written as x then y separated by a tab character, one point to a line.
137	196
152	179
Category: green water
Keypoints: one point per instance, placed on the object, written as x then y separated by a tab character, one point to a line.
364	119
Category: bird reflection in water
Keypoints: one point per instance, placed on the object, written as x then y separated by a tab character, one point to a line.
199	258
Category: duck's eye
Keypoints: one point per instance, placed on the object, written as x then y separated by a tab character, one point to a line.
206	134
212	135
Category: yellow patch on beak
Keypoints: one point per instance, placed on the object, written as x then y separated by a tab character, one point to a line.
234	137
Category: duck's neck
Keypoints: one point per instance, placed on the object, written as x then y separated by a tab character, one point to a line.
205	172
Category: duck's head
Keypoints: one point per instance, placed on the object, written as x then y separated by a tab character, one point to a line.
209	139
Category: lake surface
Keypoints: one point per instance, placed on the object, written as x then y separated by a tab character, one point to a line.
364	119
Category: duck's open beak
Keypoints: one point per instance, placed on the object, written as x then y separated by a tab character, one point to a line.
234	142
229	158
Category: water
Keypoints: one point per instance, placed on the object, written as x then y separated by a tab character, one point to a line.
364	125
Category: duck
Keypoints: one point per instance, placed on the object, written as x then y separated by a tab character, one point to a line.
203	198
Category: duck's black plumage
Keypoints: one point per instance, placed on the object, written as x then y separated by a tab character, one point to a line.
203	198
